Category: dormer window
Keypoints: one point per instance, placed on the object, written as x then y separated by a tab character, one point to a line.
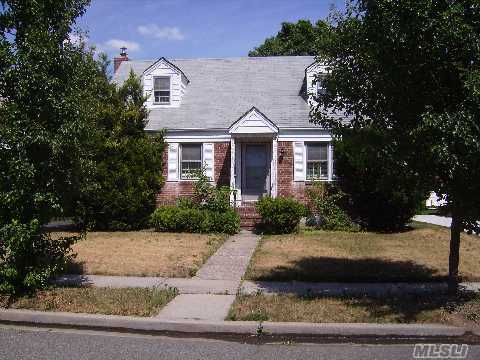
321	89
161	90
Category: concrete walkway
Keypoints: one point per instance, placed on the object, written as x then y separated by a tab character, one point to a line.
434	219
230	261
206	296
227	266
183	285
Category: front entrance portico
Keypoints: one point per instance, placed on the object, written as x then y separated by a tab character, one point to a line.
253	157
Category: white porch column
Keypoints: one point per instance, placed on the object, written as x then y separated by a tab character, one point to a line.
273	171
330	161
232	170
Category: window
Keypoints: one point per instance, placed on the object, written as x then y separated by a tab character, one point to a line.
161	89
317	161
321	89
190	160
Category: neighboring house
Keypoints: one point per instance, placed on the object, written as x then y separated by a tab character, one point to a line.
245	120
434	201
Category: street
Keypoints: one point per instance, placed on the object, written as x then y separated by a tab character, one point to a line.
36	343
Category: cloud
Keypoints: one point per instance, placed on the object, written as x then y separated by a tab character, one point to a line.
116	44
166	32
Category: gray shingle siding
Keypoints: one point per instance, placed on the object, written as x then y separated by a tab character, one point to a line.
222	90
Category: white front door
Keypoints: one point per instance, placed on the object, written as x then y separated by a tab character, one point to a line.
255	171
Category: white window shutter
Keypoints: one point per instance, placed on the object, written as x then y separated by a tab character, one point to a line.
298	161
208	160
172	162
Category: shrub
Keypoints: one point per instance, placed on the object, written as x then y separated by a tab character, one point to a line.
29	258
120	194
329	206
227	222
280	215
383	191
194	220
209	197
185	203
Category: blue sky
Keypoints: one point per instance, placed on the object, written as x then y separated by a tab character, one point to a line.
192	28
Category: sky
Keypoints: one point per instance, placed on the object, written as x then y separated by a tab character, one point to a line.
151	29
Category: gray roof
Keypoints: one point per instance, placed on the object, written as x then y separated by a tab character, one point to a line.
222	90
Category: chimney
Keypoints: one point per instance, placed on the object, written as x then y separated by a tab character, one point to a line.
118	60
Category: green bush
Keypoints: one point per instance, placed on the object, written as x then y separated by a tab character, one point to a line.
207	196
121	192
207	211
328	207
384	192
185	202
29	258
194	220
280	215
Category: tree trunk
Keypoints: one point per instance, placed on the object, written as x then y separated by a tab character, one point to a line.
454	257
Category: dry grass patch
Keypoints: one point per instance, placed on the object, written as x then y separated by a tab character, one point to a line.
419	254
290	308
109	301
143	253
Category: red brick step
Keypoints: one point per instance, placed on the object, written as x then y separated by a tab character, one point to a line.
249	217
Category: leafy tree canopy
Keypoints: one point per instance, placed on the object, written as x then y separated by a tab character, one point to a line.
301	38
128	172
46	106
409	68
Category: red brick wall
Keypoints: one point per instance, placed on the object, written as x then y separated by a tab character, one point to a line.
174	189
222	163
285	184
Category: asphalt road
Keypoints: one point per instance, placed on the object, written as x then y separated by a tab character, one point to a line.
29	343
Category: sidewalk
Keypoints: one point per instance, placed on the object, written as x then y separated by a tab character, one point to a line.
434	219
226	266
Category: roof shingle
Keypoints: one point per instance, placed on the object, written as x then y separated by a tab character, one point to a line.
222	90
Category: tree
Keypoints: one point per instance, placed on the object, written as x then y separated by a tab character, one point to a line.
301	38
46	102
46	105
407	68
128	172
384	191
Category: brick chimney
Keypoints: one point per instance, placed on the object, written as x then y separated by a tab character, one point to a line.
118	60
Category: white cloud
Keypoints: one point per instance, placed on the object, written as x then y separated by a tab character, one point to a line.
166	32
116	44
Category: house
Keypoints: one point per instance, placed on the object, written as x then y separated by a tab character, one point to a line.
245	120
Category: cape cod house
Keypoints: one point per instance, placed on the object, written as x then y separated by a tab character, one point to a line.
244	120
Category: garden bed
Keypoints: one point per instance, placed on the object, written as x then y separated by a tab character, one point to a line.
290	308
108	301
143	253
418	254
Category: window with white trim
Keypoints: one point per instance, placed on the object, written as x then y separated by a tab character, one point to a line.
190	160
161	89
320	86
317	161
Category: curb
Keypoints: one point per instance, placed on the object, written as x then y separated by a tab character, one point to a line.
239	328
